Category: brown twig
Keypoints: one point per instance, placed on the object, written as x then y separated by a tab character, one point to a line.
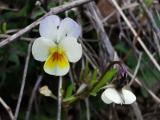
95	17
23	81
155	98
136	35
55	10
137	111
136	70
8	109
39	79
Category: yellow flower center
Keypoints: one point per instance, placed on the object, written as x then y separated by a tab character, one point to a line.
57	58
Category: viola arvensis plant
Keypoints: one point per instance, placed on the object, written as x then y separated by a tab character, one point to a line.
57	45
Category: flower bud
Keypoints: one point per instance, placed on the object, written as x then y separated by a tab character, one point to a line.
45	91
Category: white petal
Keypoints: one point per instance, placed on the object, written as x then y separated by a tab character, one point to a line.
129	97
70	28
113	95
49	26
57	71
105	99
72	49
40	48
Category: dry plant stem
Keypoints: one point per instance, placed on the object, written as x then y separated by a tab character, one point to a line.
59	111
8	109
137	111
87	109
136	70
23	81
136	35
154	25
33	96
151	18
55	10
95	17
155	98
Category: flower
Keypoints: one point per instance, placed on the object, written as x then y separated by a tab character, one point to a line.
57	45
123	96
45	91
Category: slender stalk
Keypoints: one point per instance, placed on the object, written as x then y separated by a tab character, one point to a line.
87	109
23	81
33	96
136	35
8	109
59	99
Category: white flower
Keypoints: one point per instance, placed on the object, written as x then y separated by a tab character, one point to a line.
45	91
57	45
119	97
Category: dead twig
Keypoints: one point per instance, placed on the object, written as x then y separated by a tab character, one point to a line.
137	111
136	70
8	109
155	98
136	35
95	17
23	81
33	96
55	10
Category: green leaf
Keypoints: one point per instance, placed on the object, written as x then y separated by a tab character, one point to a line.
69	99
69	90
148	2
94	78
103	81
37	12
4	27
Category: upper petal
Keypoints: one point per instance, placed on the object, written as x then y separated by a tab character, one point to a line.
72	49
49	26
41	48
129	97
68	27
105	99
113	95
56	64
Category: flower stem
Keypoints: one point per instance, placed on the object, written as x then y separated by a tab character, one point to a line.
59	99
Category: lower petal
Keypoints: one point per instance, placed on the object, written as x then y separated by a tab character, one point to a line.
129	97
105	99
113	95
56	64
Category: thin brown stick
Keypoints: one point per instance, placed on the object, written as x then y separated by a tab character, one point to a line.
39	79
59	110
136	35
8	109
96	19
137	111
55	10
136	70
155	98
23	81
